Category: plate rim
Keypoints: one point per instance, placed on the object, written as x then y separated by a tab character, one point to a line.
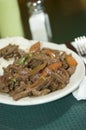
39	100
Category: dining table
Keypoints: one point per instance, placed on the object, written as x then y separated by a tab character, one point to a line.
66	113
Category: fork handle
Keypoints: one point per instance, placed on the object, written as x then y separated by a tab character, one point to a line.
68	44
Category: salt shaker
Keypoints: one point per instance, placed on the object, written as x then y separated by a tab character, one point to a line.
39	21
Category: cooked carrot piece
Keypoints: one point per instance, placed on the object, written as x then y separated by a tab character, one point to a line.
35	47
70	60
55	65
52	67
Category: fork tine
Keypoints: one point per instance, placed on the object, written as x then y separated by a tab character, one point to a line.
84	49
80	47
78	50
81	54
81	41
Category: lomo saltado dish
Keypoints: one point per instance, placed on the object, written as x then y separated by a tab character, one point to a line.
38	72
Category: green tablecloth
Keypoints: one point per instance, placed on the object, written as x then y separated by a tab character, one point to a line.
63	114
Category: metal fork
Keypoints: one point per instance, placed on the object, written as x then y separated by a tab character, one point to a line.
81	47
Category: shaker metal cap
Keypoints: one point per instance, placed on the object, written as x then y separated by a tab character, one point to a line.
35	5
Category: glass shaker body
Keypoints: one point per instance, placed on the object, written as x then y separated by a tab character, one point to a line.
39	22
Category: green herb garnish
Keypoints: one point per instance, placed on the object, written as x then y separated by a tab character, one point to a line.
22	60
14	80
44	78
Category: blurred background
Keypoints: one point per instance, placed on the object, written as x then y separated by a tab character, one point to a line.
67	18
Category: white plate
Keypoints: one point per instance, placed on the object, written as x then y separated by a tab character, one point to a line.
75	79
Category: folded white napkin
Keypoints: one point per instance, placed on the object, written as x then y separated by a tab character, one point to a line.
80	93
